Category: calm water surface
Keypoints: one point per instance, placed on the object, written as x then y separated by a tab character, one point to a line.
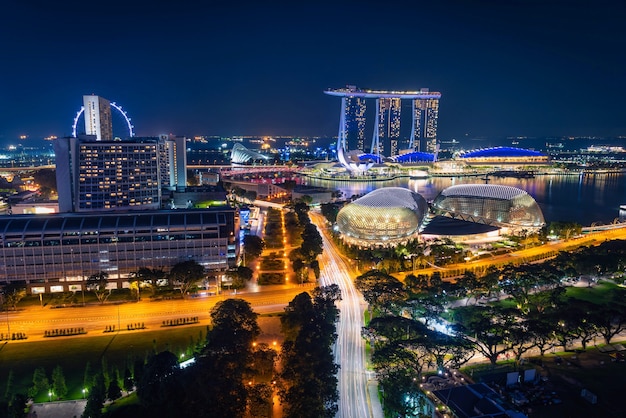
582	198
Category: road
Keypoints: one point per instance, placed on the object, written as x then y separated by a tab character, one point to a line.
35	320
529	255
350	347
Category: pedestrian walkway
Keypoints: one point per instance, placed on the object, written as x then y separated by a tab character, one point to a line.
372	394
62	409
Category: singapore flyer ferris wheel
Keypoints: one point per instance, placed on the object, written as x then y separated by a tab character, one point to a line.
115	106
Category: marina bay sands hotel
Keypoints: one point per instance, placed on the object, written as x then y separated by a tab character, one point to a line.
387	140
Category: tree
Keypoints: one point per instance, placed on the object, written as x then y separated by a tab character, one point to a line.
8	391
58	382
330	211
97	283
96	398
235	327
47	181
17	406
469	284
114	391
239	277
253	246
520	340
541	330
260	400
447	351
415	284
381	291
13	294
312	244
128	380
145	274
610	320
216	382
308	381
154	383
186	274
487	327
40	382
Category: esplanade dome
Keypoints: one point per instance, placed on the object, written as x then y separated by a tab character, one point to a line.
383	217
490	204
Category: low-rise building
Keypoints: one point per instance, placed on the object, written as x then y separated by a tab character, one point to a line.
57	252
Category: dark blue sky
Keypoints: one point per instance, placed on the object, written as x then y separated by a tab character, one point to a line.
504	67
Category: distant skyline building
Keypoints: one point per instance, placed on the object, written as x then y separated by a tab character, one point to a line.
386	139
98	120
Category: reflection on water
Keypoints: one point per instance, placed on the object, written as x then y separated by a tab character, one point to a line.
582	198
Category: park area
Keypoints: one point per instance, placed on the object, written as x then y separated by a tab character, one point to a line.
562	378
79	356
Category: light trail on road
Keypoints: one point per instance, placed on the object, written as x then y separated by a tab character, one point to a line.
350	346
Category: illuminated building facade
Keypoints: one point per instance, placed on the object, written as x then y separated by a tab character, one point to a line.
388	120
173	162
490	204
56	253
425	116
98	120
117	175
384	217
355	123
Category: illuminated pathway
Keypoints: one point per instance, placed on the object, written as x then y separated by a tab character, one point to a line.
350	347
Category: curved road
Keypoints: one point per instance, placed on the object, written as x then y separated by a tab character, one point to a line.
354	401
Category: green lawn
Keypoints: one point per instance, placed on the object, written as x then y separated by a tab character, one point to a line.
597	294
73	353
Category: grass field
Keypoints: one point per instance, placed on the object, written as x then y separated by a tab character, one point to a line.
73	354
597	294
116	350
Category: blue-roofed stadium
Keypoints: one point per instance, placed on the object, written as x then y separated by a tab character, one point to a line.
504	155
372	157
414	157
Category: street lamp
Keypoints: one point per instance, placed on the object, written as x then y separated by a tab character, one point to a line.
84	391
49	396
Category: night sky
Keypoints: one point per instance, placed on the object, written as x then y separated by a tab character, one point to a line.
504	67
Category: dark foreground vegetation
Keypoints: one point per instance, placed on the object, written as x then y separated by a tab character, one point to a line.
569	302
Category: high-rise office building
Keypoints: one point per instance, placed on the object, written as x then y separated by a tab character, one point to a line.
389	110
173	162
98	120
426	113
386	140
107	175
355	123
118	175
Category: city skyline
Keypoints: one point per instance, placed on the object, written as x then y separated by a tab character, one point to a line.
533	68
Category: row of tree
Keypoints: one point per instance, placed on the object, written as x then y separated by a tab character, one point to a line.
308	381
233	375
542	317
304	257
